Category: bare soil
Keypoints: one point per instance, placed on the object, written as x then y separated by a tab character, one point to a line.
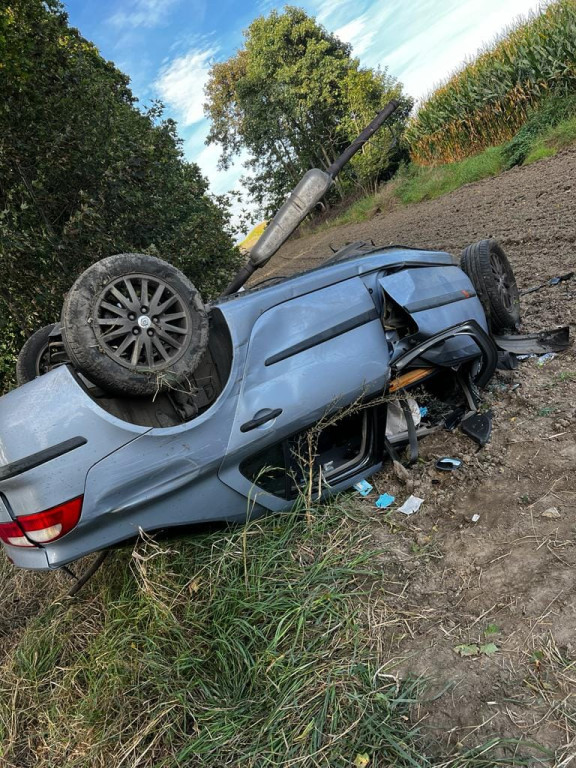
507	579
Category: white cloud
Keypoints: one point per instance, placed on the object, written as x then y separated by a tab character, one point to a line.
143	13
359	33
221	182
421	42
181	84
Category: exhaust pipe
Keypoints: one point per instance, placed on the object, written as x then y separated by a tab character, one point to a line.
308	192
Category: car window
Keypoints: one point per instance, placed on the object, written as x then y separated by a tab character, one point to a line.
340	448
267	470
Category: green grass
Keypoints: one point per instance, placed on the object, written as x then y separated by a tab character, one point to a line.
418	183
552	140
413	183
249	648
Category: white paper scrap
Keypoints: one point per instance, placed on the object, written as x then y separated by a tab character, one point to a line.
411	505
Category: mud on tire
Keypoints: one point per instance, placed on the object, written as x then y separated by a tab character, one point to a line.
134	325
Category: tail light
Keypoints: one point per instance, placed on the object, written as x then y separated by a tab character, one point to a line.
42	527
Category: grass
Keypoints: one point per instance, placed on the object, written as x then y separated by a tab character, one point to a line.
248	648
418	183
552	140
251	648
415	183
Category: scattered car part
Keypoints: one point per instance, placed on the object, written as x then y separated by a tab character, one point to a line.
553	340
135	325
507	361
478	426
487	266
302	200
448	464
552	281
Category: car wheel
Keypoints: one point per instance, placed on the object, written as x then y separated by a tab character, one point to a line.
486	265
134	325
34	357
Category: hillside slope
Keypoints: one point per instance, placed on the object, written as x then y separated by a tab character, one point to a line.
530	210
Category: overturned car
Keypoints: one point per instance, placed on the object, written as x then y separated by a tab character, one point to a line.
144	409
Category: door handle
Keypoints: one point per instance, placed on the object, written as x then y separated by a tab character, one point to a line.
257	421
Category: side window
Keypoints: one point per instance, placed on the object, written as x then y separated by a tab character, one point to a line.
340	450
267	470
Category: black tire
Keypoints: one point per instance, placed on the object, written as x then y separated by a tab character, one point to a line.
33	359
115	338
486	265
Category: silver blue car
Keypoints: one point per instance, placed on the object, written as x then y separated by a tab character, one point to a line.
145	409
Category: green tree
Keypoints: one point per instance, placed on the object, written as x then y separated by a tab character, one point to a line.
293	97
84	174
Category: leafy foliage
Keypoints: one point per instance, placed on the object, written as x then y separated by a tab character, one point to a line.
554	110
491	97
293	98
86	174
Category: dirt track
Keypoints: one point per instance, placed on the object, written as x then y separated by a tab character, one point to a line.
508	579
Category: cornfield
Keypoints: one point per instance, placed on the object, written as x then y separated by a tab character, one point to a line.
486	102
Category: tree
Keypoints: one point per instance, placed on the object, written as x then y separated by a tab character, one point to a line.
84	174
293	97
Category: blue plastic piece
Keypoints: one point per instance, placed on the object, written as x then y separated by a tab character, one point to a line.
385	500
363	487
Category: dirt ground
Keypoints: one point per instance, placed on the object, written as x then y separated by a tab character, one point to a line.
505	582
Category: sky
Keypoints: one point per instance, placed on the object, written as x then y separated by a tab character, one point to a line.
168	46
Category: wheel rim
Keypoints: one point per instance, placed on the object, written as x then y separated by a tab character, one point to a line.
43	360
141	322
503	281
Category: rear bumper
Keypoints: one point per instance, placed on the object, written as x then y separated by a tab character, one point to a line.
30	558
51	434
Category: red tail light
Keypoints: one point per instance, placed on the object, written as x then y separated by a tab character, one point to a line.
42	527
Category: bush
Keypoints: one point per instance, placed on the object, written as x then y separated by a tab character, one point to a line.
86	174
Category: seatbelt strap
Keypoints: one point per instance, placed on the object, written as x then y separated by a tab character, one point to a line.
412	437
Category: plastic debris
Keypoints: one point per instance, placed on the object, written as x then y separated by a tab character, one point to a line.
553	281
478	426
396	420
423	411
543	359
551	513
507	361
385	500
411	505
363	487
475	518
525	357
448	464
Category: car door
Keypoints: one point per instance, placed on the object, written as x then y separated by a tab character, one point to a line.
306	357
